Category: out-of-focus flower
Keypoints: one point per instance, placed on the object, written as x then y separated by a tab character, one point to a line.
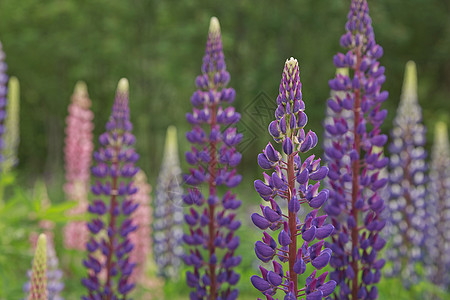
3	100
168	211
78	153
38	288
407	181
141	237
11	136
438	210
54	275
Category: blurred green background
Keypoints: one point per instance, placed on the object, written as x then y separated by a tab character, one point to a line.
158	46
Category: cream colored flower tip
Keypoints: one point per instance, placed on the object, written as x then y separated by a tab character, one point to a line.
441	134
410	80
291	64
123	85
14	82
13	93
171	139
42	240
214	26
80	88
140	177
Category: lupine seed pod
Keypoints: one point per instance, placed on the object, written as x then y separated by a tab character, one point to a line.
290	181
3	100
11	136
168	212
438	208
212	222
355	160
141	238
407	184
109	246
54	275
38	289
78	153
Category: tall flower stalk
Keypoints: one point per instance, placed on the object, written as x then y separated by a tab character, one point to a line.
53	273
438	207
38	289
141	237
407	183
78	153
12	130
3	100
142	254
168	212
109	246
290	183
355	160
212	224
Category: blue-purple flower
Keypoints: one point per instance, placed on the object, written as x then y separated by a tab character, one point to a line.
294	183
168	212
211	218
355	158
407	180
3	99
438	210
109	246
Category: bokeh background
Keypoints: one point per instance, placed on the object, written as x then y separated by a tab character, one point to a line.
158	46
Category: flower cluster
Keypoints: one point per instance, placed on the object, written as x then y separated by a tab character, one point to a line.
38	286
438	209
3	100
141	238
290	183
109	246
214	158
54	275
168	213
11	136
407	183
78	152
355	158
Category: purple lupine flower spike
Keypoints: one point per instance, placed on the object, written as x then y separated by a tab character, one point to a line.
297	185
438	209
109	247
355	158
168	212
3	99
407	184
212	222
